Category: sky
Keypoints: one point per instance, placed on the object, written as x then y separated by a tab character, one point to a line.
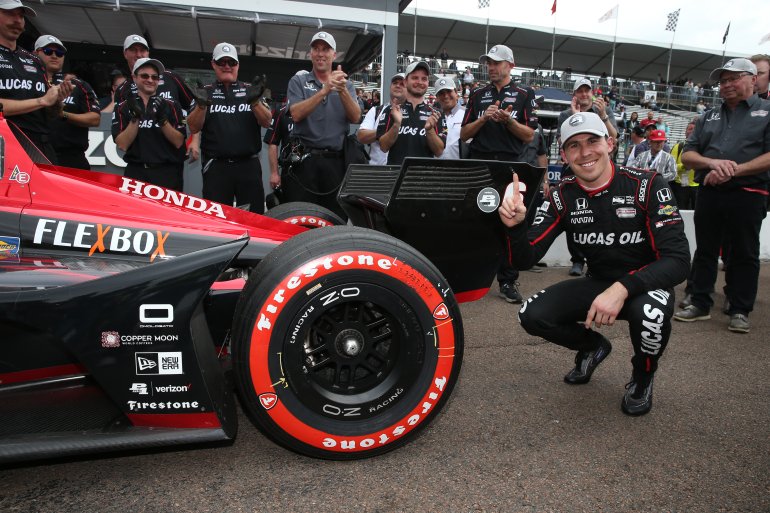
701	24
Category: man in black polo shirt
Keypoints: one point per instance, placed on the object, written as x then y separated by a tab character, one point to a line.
499	118
150	129
229	119
69	132
730	152
412	128
27	98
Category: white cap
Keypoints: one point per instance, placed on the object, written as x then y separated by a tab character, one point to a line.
9	5
445	84
135	39
146	61
225	50
399	76
498	53
46	40
582	123
417	64
741	64
326	38
582	82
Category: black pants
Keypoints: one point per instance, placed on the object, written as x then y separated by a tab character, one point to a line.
557	313
737	214
72	158
685	196
225	180
169	176
316	180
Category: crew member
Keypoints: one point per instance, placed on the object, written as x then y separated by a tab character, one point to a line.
500	119
69	132
323	104
229	119
151	130
27	98
730	152
412	128
583	100
627	225
277	138
446	92
367	132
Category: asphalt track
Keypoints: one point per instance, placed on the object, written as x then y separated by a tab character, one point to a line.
514	438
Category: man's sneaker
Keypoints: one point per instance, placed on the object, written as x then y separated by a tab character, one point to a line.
726	306
686	301
577	269
739	323
586	362
510	292
638	397
692	313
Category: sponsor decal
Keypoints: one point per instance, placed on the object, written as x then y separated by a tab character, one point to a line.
664	195
672	220
160	313
643	190
582	220
441	312
557	201
308	221
172	389
99	238
758	113
618	200
171	197
652	335
19	176
488	199
268	400
608	239
139	388
581	204
626	213
9	245
713	116
110	339
164	405
667	210
158	363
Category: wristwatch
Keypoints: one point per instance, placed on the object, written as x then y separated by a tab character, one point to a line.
605	118
64	115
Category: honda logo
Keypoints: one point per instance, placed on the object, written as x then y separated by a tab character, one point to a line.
664	195
581	203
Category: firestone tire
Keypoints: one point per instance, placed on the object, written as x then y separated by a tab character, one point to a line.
347	343
305	214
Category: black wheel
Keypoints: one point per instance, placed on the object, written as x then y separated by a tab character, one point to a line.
347	342
305	214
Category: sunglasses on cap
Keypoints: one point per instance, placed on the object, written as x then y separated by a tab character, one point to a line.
226	62
52	51
148	76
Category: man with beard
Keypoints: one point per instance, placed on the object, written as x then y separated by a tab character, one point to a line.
80	110
412	128
28	100
446	93
322	104
500	119
367	132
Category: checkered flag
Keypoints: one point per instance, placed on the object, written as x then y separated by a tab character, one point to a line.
673	18
484	3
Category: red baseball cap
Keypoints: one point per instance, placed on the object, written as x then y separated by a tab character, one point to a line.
657	135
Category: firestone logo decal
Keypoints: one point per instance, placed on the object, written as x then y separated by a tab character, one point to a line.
268	400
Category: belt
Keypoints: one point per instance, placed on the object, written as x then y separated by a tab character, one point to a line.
149	166
324	153
232	160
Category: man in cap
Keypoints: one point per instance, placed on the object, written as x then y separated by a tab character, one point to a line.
229	119
656	158
583	100
627	225
80	110
171	86
28	100
151	130
446	92
500	119
323	104
730	152
367	132
412	128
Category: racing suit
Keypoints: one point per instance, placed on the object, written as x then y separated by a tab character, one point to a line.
630	231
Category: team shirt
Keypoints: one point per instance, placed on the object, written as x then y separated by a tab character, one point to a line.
495	137
281	126
231	130
65	135
22	77
150	146
412	140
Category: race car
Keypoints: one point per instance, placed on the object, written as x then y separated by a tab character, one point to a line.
133	316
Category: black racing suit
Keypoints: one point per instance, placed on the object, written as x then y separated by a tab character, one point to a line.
630	231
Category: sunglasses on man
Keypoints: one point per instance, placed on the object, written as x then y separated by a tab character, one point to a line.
52	51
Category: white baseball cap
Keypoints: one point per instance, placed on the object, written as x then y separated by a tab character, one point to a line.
498	53
225	50
46	40
135	39
399	76
740	64
445	84
146	61
326	38
9	5
417	64
582	82
582	123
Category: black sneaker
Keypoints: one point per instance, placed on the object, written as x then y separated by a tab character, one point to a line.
686	301
638	397
577	269
586	362
510	292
